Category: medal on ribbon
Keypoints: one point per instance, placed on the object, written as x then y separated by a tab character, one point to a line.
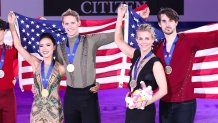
132	85
44	93
168	70
133	82
45	79
168	56
71	56
70	68
2	73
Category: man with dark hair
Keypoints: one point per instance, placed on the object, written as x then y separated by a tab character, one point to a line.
176	52
3	25
8	55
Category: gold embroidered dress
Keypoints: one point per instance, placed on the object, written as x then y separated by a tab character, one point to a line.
47	109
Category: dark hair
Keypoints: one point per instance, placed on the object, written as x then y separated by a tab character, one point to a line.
3	25
47	35
170	13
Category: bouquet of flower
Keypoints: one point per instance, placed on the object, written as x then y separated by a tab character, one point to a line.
138	99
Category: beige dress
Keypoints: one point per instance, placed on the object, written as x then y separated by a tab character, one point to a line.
47	109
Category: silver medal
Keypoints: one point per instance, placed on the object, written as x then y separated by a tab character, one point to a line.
132	84
2	73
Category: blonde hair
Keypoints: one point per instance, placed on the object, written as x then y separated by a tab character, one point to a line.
147	27
70	12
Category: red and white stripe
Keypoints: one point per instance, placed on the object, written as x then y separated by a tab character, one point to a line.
111	64
205	68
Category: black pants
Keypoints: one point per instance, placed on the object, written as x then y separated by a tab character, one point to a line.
177	112
141	116
81	106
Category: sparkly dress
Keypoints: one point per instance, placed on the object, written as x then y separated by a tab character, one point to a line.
47	109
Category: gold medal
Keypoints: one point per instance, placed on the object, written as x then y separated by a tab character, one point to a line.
132	85
44	93
2	73
168	70
70	67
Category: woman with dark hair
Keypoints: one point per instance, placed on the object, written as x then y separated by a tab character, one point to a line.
46	107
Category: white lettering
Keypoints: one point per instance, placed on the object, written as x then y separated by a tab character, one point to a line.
94	7
106	7
111	7
83	7
102	6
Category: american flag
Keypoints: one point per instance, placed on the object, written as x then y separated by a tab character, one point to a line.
112	66
205	64
133	20
29	31
205	67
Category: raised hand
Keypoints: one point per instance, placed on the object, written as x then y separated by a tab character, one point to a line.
121	10
33	89
11	17
144	13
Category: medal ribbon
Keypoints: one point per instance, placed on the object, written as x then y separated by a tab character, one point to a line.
168	57
2	57
45	79
71	56
136	64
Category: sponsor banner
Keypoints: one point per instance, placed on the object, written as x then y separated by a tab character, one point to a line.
101	7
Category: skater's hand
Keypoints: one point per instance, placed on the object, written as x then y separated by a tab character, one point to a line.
34	90
95	88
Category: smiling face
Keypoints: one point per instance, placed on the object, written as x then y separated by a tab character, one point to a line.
145	40
71	25
46	47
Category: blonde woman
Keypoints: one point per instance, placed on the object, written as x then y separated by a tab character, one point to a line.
145	67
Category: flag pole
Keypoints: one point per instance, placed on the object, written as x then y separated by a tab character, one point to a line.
124	61
20	58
